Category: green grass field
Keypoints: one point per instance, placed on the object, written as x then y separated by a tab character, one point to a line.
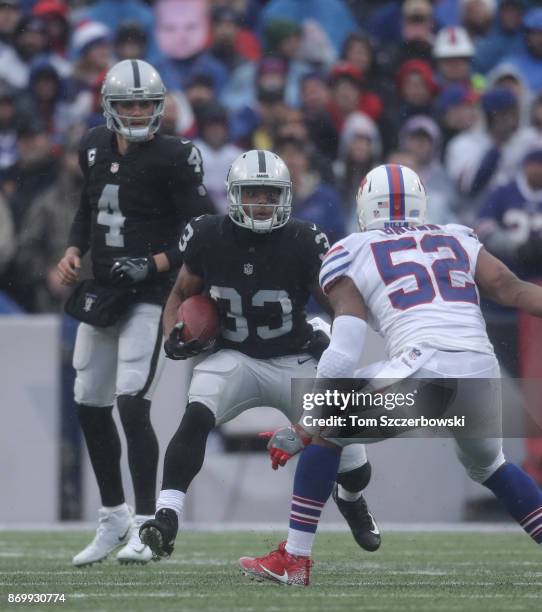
411	572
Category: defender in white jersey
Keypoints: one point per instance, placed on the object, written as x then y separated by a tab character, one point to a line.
417	284
409	275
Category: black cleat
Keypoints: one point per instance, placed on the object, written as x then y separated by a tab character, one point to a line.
160	532
359	519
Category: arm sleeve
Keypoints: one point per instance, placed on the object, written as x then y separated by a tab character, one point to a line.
79	235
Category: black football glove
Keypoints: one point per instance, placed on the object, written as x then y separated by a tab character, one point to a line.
128	271
176	348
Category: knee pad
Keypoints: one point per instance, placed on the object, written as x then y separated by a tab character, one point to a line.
85	393
356	479
481	458
352	456
130	381
482	473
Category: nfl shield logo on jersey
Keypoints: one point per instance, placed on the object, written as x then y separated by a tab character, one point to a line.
90	298
248	269
114	167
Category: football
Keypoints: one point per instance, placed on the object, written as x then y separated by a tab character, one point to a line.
200	317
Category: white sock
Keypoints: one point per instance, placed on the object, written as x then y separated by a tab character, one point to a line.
299	543
348	495
172	499
120	507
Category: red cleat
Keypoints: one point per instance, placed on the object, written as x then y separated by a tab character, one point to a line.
278	566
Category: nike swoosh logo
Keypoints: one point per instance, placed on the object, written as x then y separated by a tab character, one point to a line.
122	537
140	550
283	578
300	361
375	529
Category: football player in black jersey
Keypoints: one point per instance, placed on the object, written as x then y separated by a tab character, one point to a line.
139	189
260	266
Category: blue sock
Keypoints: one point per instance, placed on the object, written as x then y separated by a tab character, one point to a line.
313	482
521	496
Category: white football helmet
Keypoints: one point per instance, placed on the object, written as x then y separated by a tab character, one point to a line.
132	80
391	195
259	168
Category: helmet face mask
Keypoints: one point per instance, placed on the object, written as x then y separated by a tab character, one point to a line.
132	81
259	169
391	196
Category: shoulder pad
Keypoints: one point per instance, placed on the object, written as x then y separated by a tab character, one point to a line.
463	230
335	264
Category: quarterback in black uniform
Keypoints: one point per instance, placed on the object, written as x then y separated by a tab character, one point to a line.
260	267
139	189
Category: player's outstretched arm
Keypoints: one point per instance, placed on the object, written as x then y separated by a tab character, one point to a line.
339	360
186	285
497	282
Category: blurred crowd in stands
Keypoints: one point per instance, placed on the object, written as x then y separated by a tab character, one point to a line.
450	88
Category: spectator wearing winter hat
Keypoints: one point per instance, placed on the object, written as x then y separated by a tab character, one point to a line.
504	38
453	52
113	13
529	59
92	51
480	158
350	94
457	110
416	89
420	136
360	150
45	100
55	14
131	41
508	76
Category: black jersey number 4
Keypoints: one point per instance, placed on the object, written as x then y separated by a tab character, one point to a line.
111	216
260	298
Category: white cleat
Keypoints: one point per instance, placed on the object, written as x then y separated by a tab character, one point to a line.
135	551
113	531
